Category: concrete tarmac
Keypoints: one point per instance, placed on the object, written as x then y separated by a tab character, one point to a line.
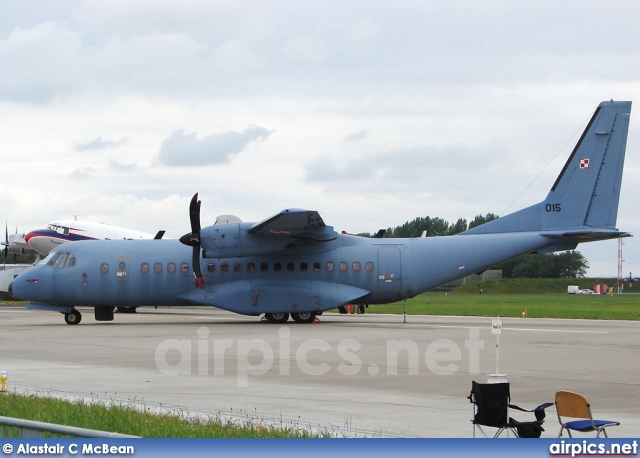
355	375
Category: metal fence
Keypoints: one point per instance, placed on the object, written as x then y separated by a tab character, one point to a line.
19	428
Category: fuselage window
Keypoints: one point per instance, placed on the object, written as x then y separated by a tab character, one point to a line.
144	267
343	267
291	267
316	267
356	267
184	267
237	267
330	267
369	267
157	268
104	268
251	267
224	267
264	267
211	267
171	268
277	267
303	266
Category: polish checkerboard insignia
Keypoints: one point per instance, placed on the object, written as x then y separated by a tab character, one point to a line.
584	163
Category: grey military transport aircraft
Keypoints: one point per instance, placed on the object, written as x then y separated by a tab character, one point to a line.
293	264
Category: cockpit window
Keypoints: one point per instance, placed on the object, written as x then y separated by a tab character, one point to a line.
71	261
61	260
54	259
59	229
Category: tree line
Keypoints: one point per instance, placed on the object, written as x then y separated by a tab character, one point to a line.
568	264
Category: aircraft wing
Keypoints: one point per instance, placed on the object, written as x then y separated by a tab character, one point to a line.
296	223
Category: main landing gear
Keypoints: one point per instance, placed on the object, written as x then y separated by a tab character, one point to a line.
279	318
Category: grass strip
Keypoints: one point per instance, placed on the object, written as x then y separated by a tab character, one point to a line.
125	419
596	307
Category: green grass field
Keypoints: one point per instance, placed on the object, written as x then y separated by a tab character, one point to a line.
127	420
561	305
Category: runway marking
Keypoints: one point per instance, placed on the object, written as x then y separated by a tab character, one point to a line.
529	329
483	326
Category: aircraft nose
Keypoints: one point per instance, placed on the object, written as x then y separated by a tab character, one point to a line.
10	289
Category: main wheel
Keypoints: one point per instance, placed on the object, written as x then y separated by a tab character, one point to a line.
303	317
73	317
123	309
277	317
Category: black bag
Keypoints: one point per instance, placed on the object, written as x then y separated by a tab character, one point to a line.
527	429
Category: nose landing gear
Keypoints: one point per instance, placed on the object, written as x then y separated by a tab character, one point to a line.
73	317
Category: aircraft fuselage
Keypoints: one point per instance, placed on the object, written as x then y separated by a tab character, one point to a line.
349	269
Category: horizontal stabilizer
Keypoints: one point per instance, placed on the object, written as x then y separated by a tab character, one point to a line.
589	236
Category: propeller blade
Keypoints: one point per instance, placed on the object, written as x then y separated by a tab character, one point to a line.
196	267
192	239
194	214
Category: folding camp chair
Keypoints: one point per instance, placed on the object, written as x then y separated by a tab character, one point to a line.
491	408
574	405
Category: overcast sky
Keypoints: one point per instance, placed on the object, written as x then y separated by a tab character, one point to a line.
373	113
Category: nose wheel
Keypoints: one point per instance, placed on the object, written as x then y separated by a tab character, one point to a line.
73	317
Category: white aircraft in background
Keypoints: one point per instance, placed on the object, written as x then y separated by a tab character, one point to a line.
42	241
15	243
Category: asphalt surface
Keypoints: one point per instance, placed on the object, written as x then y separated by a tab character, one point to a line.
355	375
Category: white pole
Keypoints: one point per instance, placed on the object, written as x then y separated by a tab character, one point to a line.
496	328
497	353
405	311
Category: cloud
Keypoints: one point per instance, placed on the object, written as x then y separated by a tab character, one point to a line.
40	63
83	173
403	164
356	136
185	150
120	167
98	144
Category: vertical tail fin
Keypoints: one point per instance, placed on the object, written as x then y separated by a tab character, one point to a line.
585	196
588	188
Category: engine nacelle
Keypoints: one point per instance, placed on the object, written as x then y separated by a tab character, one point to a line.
242	239
233	240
